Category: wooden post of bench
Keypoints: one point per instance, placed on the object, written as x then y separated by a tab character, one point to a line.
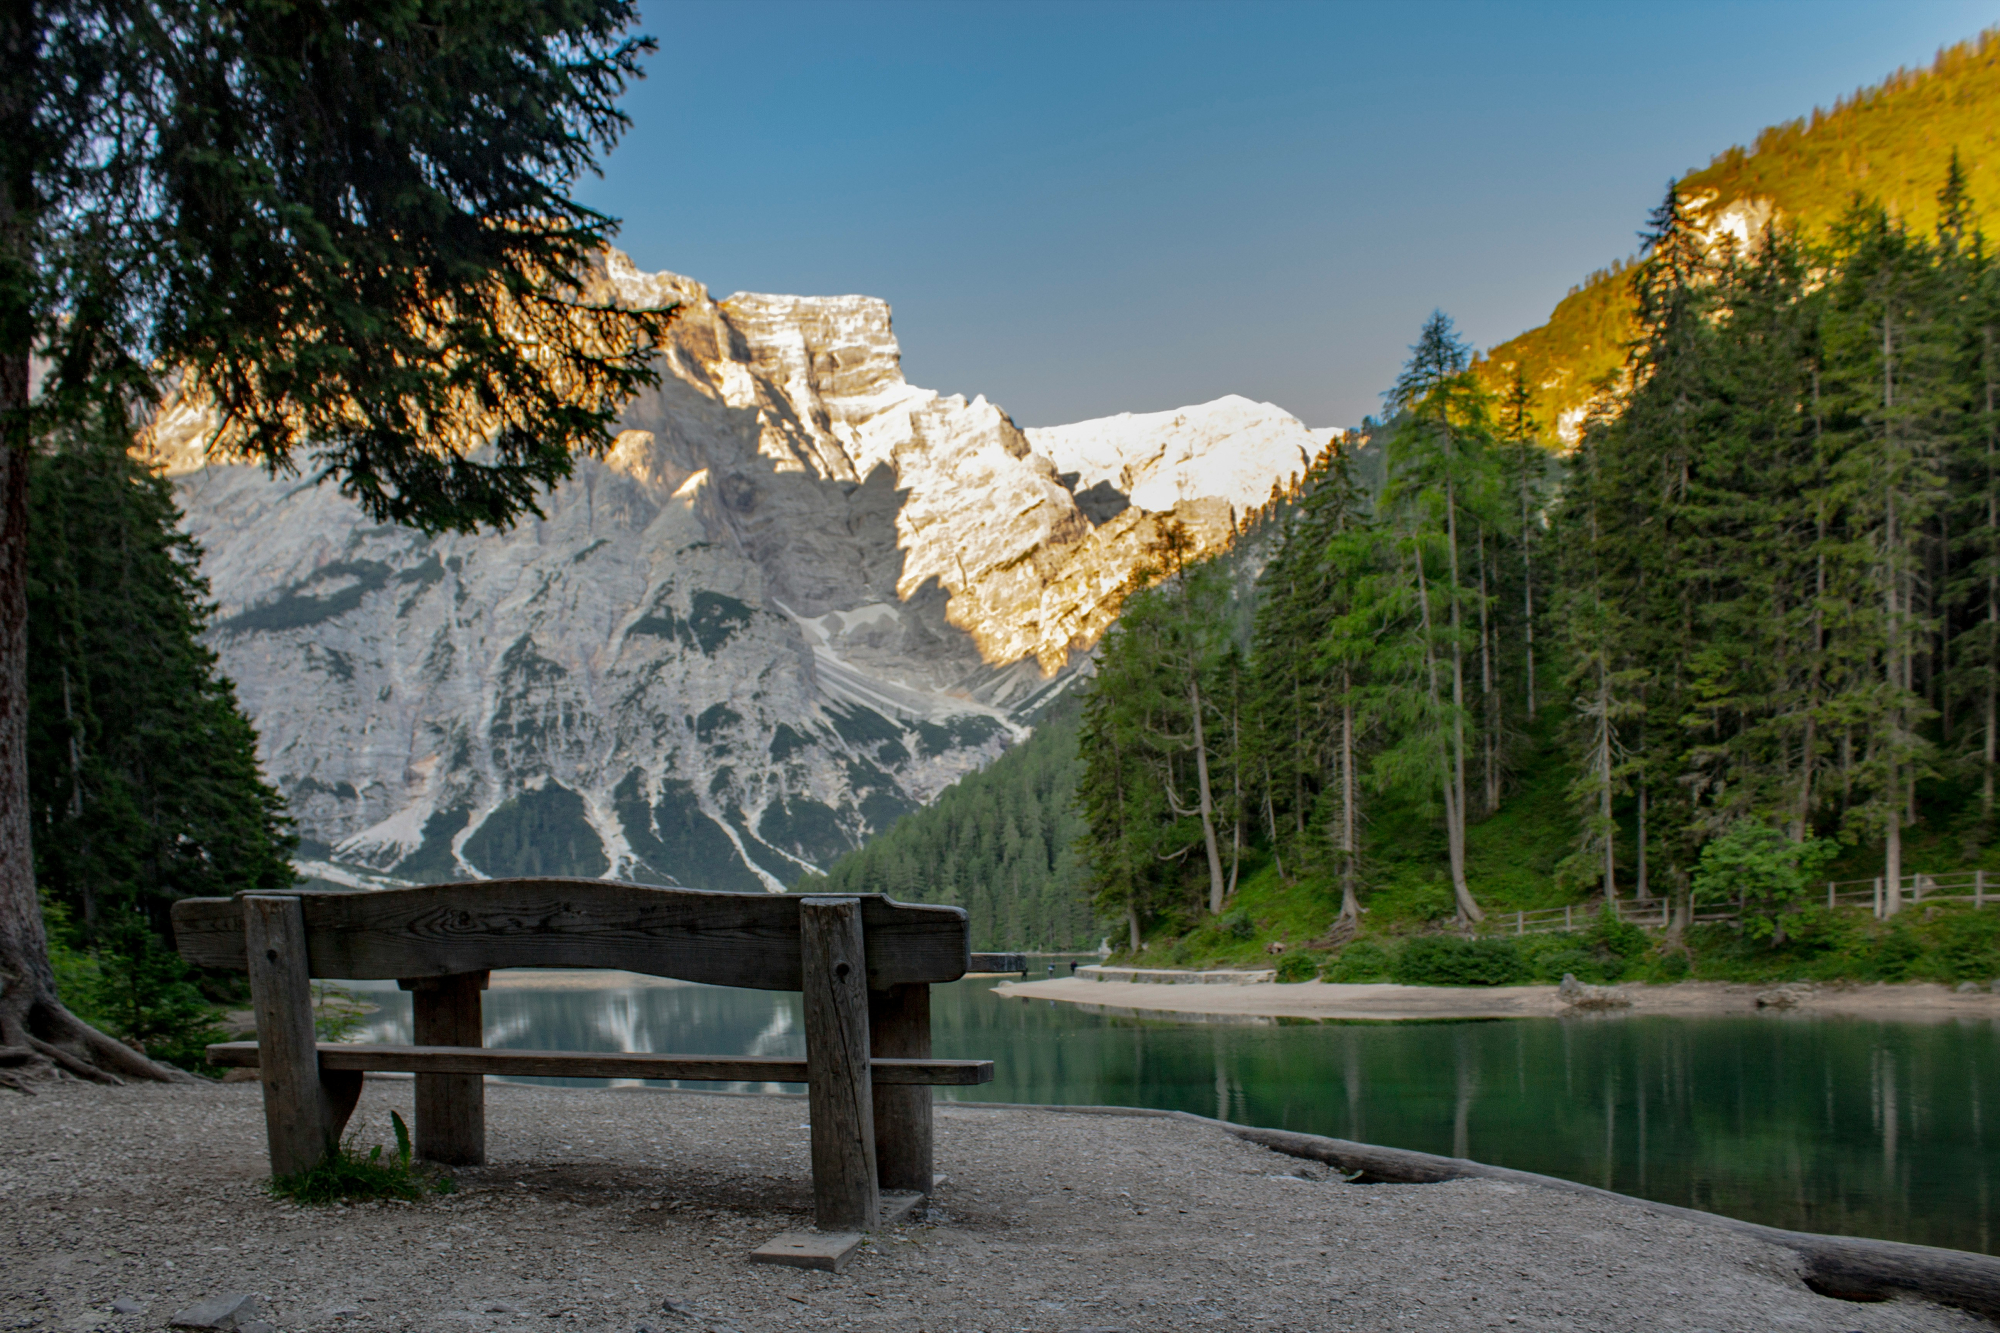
295	1105
846	1196
451	1108
899	1027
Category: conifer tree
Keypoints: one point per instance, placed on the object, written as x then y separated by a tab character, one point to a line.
350	232
143	772
1440	470
1889	365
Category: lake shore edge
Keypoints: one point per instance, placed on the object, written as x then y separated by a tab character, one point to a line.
1387	1002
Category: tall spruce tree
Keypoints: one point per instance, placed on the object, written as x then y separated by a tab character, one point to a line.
349	230
142	770
1440	472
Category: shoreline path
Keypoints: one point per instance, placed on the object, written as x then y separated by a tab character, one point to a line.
608	1211
1392	1003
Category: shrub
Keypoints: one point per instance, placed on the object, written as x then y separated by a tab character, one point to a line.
1238	925
1296	967
1965	947
1449	960
1618	938
1363	960
1773	875
1549	957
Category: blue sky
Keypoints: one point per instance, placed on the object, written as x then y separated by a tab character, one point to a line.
1082	209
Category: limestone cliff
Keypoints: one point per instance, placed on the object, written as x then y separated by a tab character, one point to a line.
796	598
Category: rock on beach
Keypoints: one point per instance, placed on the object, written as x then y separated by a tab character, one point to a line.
605	1210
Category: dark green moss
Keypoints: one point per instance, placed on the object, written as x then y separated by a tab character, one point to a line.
677	839
538	833
298	606
432	862
955	733
806	828
785	743
713	719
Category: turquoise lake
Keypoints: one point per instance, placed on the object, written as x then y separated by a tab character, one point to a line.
1819	1124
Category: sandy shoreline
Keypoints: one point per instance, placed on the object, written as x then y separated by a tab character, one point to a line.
1916	1003
614	1211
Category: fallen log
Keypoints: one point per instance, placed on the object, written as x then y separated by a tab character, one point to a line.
1852	1268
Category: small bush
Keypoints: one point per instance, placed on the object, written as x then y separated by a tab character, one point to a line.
1238	925
1618	938
1549	958
1297	967
1363	960
347	1175
1449	960
1965	946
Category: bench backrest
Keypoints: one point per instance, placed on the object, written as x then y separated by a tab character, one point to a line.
723	939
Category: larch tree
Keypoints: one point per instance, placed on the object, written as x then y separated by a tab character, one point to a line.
348	231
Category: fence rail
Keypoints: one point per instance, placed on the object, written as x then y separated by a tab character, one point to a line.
1978	887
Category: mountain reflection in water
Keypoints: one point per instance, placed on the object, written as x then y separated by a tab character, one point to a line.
1819	1124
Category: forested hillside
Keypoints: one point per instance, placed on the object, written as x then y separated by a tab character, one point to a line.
1891	143
1748	630
1002	843
1740	635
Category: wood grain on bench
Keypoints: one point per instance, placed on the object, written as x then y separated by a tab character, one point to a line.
606	1064
723	939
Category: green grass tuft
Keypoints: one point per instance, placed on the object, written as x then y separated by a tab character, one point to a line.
348	1175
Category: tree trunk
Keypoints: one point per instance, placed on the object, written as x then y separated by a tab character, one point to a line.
1489	748
1454	812
1528	591
1992	750
1350	903
1604	796
1642	890
1454	827
1207	804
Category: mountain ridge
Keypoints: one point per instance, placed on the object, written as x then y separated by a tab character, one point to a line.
796	598
1891	141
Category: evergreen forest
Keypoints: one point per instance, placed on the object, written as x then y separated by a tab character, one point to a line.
1003	844
1743	639
143	776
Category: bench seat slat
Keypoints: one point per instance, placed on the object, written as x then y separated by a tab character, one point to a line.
605	1064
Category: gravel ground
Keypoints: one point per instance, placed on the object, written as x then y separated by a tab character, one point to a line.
613	1210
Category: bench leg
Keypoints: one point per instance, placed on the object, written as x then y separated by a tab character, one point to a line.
899	1027
451	1108
835	990
295	1103
340	1089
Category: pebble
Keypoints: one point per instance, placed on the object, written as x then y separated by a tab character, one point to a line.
234	1310
124	1306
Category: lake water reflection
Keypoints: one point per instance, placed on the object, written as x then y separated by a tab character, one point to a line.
1819	1124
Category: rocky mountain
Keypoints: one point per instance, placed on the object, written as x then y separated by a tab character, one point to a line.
796	599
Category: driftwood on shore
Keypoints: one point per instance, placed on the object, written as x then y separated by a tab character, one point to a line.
1847	1267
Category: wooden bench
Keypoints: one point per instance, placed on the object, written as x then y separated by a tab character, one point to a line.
864	965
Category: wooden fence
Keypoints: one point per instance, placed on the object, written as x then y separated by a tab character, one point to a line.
1978	887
